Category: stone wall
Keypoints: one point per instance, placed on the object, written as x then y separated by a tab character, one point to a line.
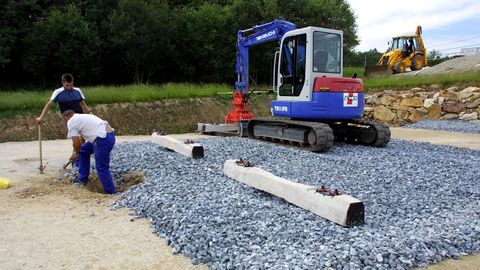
403	107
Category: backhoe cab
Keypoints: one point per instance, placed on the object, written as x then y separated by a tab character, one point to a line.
404	52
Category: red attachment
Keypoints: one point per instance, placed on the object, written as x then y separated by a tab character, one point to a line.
324	84
241	112
244	163
325	191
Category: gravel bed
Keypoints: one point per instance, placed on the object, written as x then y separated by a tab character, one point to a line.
448	125
422	204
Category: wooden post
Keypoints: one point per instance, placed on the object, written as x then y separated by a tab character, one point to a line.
41	167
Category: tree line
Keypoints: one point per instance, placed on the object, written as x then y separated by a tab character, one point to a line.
149	41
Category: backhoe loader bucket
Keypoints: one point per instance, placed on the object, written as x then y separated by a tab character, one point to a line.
374	71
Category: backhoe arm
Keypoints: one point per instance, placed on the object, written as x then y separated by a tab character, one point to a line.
256	35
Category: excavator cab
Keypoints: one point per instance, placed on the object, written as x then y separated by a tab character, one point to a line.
309	77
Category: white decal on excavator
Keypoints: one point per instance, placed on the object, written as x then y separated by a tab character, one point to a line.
350	99
280	108
269	34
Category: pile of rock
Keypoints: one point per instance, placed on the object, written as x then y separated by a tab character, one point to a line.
410	106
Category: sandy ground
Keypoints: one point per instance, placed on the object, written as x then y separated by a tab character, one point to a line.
437	137
47	224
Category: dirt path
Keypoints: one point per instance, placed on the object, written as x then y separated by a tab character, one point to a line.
46	224
438	137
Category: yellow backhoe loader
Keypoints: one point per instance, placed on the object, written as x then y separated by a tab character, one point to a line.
404	52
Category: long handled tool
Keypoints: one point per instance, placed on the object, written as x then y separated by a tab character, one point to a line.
41	167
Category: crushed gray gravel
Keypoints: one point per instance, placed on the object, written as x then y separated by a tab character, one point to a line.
447	125
422	204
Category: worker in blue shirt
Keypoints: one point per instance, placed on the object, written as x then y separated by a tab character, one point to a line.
68	98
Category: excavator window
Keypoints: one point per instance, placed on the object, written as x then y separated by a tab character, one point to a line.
292	68
326	52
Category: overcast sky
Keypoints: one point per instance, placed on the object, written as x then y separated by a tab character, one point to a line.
447	24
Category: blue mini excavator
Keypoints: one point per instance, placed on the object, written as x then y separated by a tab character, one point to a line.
315	105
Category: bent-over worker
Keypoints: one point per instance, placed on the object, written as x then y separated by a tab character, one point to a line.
100	139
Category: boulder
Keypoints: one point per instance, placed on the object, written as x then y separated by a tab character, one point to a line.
451	98
387	100
422	110
464	96
469	116
434	87
452	89
471	89
368	109
427	103
473	98
412	102
402	114
416	116
388	92
373	100
397	106
436	96
440	100
452	107
448	94
406	95
473	105
416	89
434	112
383	114
449	116
422	95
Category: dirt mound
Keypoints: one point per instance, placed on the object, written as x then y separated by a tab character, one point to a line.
128	180
460	64
136	118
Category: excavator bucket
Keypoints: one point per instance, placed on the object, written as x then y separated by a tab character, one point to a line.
379	70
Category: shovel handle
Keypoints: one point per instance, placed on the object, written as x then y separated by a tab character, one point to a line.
41	167
66	165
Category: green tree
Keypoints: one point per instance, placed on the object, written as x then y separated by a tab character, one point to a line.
434	54
205	43
64	42
334	14
140	36
16	20
359	59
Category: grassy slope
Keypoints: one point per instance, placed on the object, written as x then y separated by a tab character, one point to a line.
405	81
33	101
21	102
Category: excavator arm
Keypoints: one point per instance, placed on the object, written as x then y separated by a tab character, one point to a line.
247	38
256	35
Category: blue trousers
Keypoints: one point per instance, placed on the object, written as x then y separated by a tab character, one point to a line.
101	149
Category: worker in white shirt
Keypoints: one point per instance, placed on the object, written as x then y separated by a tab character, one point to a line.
99	141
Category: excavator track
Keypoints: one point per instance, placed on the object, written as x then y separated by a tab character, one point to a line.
318	137
364	132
